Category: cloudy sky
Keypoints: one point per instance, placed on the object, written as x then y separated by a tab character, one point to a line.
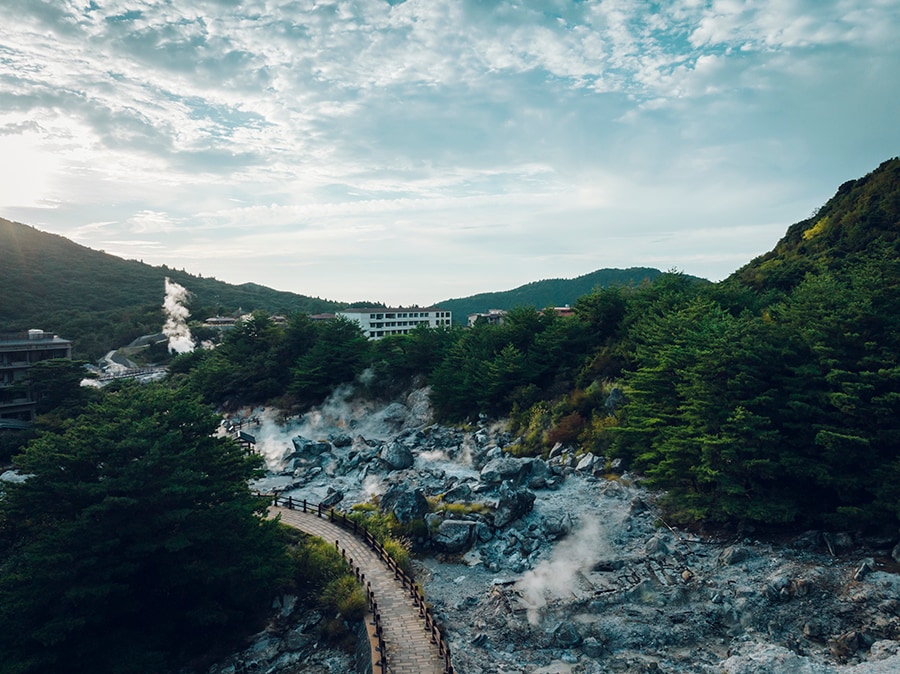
409	152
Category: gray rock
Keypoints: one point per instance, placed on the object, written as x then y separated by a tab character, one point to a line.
454	535
296	640
307	449
334	497
565	635
884	649
895	553
865	567
395	415
656	547
614	400
483	532
587	462
592	648
341	440
733	555
556	527
459	493
778	586
557	450
503	468
397	456
406	502
512	504
538	473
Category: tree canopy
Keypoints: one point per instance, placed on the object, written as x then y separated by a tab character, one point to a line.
134	544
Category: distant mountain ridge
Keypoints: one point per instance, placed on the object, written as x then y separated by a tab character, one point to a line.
555	292
101	301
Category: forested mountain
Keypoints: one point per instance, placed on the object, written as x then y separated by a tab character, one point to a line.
101	301
770	397
556	292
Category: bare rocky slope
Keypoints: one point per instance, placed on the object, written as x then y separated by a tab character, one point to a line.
569	569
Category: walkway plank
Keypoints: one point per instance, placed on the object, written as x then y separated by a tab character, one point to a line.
409	647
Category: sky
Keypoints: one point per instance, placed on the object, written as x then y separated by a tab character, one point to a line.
409	152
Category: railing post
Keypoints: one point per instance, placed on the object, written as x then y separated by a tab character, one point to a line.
290	503
304	505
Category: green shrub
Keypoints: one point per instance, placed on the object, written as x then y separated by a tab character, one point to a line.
346	596
316	564
399	551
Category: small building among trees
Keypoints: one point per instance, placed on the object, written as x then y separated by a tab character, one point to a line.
18	352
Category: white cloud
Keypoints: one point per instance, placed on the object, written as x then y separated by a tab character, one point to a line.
321	124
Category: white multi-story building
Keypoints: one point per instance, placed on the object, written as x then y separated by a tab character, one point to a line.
378	322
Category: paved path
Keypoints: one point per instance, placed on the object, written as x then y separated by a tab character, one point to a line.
409	647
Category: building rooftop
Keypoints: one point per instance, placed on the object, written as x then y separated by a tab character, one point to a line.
31	337
388	310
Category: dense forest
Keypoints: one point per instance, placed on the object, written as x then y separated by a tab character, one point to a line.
770	397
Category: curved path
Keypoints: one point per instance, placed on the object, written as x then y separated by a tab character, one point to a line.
409	647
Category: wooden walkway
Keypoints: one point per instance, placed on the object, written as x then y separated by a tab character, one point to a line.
409	642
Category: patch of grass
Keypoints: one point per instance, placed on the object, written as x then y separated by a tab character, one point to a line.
387	530
463	509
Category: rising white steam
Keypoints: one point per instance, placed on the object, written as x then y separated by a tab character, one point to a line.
176	328
554	578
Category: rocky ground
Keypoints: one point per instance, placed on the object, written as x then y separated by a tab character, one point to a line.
561	566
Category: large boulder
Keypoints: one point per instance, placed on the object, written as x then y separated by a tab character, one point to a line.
454	535
341	440
502	469
334	497
397	456
306	449
394	416
539	475
462	492
512	504
406	502
587	463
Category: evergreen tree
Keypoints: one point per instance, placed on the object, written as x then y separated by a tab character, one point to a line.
134	543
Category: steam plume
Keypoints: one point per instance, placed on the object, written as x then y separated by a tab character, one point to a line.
175	328
554	578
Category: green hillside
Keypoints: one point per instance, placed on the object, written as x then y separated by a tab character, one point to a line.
861	221
549	292
101	301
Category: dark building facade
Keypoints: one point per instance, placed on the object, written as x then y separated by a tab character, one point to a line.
17	354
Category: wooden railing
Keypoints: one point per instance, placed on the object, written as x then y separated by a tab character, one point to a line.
400	575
